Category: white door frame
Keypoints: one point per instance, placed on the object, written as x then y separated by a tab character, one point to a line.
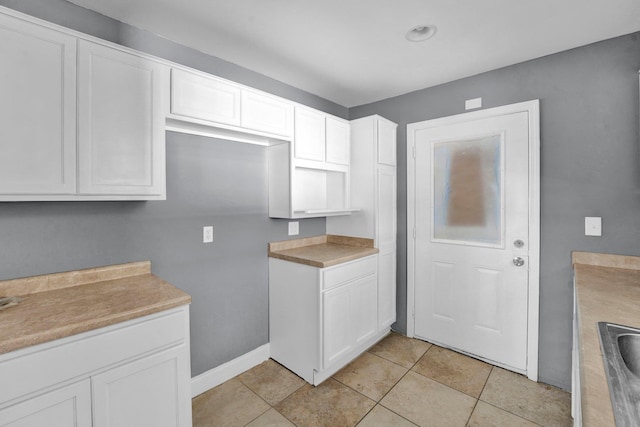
533	110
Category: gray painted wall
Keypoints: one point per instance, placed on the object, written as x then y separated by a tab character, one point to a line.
590	165
209	182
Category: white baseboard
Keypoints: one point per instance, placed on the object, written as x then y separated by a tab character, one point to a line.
216	376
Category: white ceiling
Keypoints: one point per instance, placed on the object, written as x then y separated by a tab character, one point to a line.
354	52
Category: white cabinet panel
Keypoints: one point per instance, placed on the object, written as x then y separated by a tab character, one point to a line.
68	406
365	308
204	98
121	122
38	111
309	134
386	289
349	318
145	393
338	324
373	189
337	141
386	210
387	142
266	113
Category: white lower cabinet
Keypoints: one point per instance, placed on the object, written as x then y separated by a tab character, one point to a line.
133	374
320	319
68	406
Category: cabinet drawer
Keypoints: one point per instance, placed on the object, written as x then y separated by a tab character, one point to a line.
346	272
45	365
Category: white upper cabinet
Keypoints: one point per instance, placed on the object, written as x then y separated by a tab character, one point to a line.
338	133
320	137
309	135
37	114
387	142
204	98
266	113
121	122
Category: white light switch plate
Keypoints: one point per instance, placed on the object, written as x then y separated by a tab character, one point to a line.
593	226
294	228
207	234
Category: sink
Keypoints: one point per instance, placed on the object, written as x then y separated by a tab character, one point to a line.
621	355
629	348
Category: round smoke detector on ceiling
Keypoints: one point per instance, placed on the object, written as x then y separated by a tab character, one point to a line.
420	33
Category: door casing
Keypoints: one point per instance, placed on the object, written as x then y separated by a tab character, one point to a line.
533	110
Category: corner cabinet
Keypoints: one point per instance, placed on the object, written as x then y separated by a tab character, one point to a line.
136	373
320	319
85	121
373	189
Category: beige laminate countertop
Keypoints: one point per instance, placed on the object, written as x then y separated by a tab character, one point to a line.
608	290
62	304
322	251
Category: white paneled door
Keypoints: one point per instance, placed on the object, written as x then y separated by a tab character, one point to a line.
471	195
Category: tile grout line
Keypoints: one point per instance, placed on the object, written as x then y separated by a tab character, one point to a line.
514	414
478	398
379	402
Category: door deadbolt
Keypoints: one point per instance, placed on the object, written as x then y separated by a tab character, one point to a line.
518	243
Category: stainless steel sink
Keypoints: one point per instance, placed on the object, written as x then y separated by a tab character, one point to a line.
621	353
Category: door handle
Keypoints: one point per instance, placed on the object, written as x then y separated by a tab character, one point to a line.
518	261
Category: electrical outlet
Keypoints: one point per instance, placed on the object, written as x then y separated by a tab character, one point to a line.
294	228
207	234
593	226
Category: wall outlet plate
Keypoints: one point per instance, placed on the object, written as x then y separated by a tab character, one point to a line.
593	226
294	228
207	234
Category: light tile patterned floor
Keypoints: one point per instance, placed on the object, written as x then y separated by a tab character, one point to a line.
399	382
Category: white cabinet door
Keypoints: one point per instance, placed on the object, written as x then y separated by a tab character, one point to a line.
350	317
121	122
309	135
65	407
365	308
337	324
203	98
38	109
387	142
266	113
337	141
144	393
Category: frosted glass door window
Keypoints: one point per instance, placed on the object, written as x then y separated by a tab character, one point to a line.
468	191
